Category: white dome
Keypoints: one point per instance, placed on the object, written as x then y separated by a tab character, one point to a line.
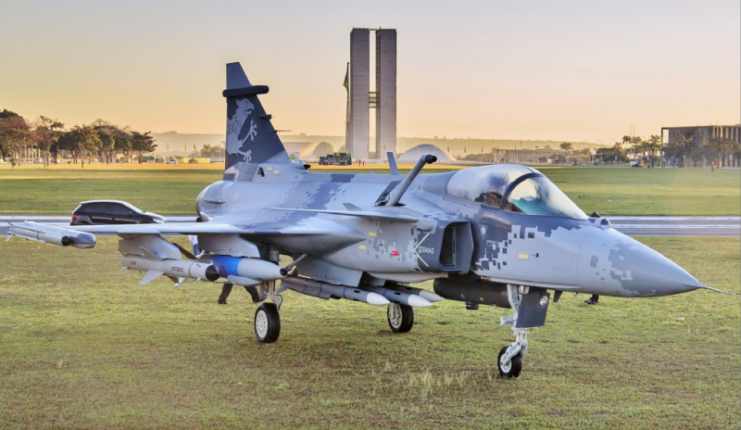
412	155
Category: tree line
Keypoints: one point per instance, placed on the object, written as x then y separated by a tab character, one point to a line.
690	151
100	139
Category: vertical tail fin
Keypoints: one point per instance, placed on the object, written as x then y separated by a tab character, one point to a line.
250	137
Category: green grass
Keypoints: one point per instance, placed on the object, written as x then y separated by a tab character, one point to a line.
172	189
82	347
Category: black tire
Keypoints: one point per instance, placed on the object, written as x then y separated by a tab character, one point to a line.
515	365
402	319
267	323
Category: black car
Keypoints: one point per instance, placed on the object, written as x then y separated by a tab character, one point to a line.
112	212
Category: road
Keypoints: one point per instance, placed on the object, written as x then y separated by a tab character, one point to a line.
630	225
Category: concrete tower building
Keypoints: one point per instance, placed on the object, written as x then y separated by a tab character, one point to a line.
361	99
385	93
359	93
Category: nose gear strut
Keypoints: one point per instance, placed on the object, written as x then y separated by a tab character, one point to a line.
510	357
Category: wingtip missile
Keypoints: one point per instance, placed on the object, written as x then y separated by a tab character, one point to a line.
51	234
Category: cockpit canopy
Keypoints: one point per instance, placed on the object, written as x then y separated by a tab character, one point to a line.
514	188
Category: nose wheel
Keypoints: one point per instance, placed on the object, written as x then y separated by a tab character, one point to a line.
400	317
510	357
511	368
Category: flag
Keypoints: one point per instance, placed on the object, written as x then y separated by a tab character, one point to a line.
346	84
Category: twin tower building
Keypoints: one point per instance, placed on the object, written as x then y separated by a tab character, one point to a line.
360	98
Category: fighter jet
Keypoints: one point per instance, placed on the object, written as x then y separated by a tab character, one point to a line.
501	235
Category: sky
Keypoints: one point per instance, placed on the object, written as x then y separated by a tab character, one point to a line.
561	70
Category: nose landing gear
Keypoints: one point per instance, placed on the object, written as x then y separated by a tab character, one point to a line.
529	306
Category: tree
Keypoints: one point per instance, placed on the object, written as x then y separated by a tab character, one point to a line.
46	133
566	146
686	148
8	114
626	140
718	147
15	134
142	143
107	144
636	144
106	132
617	150
212	151
652	145
123	145
80	142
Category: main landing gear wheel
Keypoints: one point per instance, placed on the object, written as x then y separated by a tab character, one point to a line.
267	323
512	368
401	317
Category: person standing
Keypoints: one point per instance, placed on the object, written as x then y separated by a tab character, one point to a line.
193	239
592	300
226	290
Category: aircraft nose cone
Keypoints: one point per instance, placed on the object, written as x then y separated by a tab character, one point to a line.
654	274
619	265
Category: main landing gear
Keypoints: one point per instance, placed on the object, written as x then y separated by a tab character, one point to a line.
267	316
400	317
267	323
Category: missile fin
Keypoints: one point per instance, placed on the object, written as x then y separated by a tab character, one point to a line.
151	276
9	237
122	270
149	254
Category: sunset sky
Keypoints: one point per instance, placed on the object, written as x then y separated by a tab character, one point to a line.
562	70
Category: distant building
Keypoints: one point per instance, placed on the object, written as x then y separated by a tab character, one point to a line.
413	155
521	156
701	133
361	99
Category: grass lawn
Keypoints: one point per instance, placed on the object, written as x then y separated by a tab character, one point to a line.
171	190
82	347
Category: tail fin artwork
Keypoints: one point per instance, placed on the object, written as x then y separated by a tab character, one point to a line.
250	137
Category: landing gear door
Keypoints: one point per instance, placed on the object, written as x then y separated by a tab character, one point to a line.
533	308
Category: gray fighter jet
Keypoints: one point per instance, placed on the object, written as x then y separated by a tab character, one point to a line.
499	235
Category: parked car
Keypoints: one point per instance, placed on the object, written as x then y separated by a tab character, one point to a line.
112	212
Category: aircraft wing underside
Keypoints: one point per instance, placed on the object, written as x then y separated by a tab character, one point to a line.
306	232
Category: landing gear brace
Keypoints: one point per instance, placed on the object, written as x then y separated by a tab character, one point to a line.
529	306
